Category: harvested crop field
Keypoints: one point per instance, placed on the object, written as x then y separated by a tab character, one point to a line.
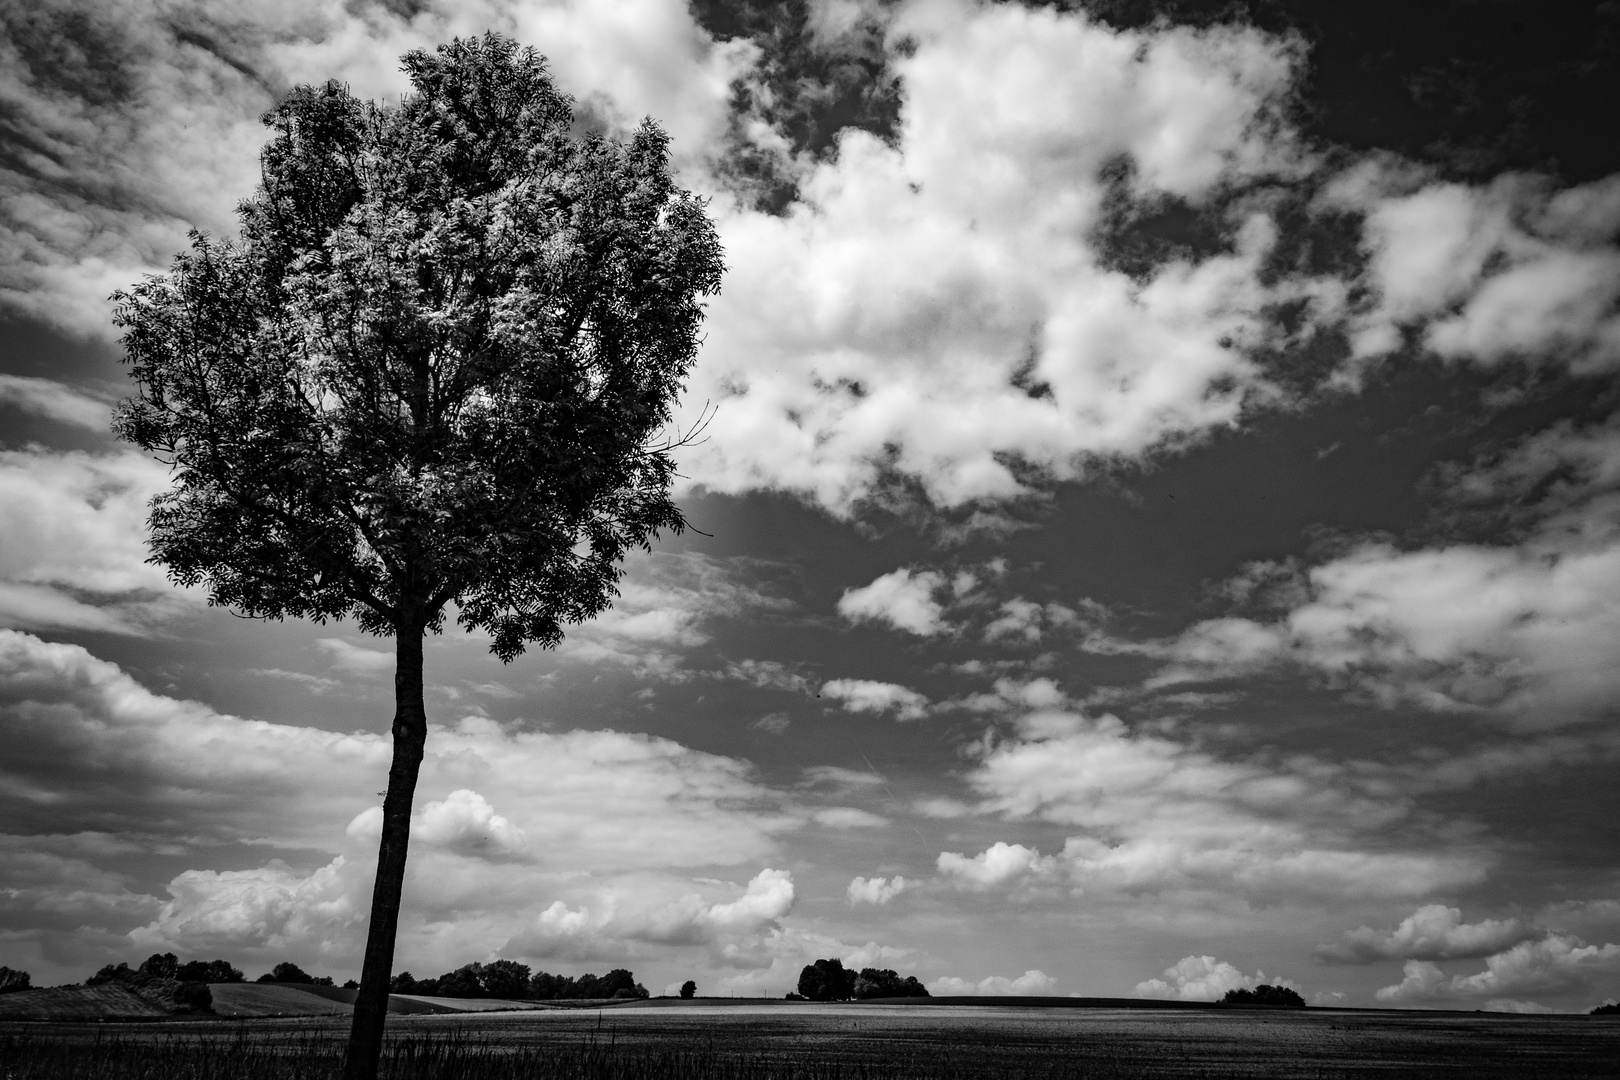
811	1042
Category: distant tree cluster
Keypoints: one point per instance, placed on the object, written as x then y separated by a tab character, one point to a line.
510	979
14	980
829	980
1611	1009
1265	995
168	966
160	979
688	988
286	972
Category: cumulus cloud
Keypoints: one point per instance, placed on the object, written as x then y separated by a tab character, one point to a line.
507	820
1030	983
1040	693
1153	815
1432	932
866	695
646	912
1202	978
997	864
1025	620
1555	963
264	909
141	122
875	890
1510	269
461	821
901	598
938	309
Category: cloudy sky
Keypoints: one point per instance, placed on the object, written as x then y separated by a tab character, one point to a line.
1159	528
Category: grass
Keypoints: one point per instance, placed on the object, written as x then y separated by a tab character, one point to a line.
424	1057
837	1043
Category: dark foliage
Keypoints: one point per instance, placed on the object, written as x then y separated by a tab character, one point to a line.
11	980
288	972
1611	1009
504	979
881	982
509	979
688	989
434	367
121	973
160	966
155	980
827	980
1265	995
209	971
406	983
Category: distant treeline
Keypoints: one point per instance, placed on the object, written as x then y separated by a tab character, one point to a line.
829	980
168	966
510	979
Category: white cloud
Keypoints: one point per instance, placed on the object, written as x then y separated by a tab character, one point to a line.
1511	269
1531	632
664	603
1153	815
462	821
155	134
865	695
847	817
1040	693
1432	932
72	542
509	821
357	659
647	910
936	309
1030	983
997	864
875	890
55	401
269	908
1202	978
1552	964
900	598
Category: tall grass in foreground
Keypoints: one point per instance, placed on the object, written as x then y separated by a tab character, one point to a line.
427	1057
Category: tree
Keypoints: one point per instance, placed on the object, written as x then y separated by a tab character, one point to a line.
11	981
464	982
882	982
688	989
160	966
505	979
288	972
826	980
1265	995
434	370
209	971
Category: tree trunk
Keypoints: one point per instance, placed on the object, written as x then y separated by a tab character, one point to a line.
410	736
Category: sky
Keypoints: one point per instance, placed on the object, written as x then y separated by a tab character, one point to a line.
1157	529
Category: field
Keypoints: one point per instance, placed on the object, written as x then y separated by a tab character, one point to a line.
832	1042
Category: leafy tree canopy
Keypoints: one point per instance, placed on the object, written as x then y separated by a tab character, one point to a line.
434	367
1265	995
